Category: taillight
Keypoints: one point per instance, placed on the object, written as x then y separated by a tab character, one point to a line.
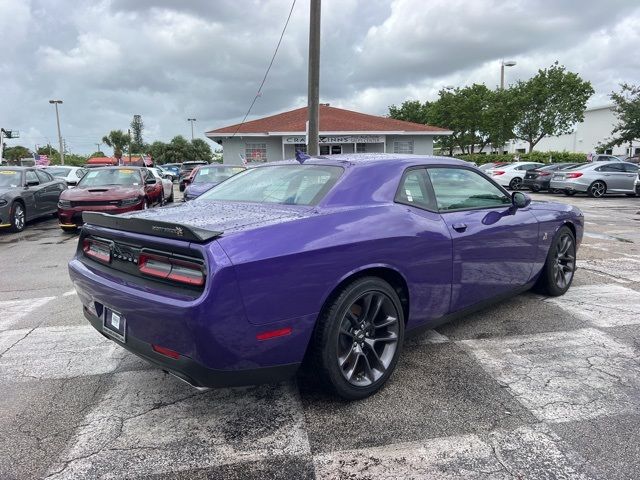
97	250
169	268
574	175
167	352
498	172
544	174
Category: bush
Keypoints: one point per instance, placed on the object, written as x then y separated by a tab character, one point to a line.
543	157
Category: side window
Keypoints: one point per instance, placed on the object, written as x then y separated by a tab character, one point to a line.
149	176
32	178
611	167
630	168
413	190
43	176
459	189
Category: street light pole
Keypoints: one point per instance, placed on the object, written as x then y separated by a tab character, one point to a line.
56	102
191	120
313	102
508	63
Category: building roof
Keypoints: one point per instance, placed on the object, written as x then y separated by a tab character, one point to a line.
332	120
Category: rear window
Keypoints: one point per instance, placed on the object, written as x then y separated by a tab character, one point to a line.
215	174
115	176
58	172
283	184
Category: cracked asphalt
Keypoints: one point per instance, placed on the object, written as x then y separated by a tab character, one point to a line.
534	387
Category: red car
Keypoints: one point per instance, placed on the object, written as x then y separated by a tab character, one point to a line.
109	190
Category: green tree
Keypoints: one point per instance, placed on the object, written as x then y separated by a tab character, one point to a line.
550	103
500	118
97	154
118	140
411	111
47	150
17	152
627	110
157	150
201	149
137	126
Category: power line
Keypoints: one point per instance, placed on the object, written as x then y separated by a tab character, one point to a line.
264	79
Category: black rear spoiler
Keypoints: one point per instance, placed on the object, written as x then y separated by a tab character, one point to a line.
150	227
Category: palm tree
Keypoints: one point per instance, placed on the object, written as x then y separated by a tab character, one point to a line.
118	140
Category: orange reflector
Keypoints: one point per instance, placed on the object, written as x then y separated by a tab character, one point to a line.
281	332
165	351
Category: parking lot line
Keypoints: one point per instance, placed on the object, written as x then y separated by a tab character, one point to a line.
12	311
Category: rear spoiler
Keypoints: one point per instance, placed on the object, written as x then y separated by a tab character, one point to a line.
145	226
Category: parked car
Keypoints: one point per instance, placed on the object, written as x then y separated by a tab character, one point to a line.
185	181
512	175
25	194
110	190
168	172
186	169
634	159
71	175
488	166
167	184
331	260
603	158
597	179
206	177
539	178
636	184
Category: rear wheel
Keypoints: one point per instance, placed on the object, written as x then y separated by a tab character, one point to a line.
569	193
515	183
170	199
358	338
557	273
535	188
597	189
17	217
630	194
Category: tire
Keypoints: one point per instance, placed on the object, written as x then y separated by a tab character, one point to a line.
535	188
170	199
569	193
17	217
355	357
630	194
69	229
145	204
597	189
515	183
559	268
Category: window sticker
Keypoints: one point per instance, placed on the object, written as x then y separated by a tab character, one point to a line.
204	171
409	196
127	171
7	172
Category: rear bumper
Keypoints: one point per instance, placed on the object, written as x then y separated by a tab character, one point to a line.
542	184
196	374
565	185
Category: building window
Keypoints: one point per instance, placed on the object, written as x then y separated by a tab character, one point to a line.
256	152
609	151
330	149
361	147
521	150
403	147
300	147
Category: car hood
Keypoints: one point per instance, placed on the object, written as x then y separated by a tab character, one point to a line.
197	189
226	217
10	190
106	192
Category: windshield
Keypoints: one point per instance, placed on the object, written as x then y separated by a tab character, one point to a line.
215	174
10	178
58	172
284	184
111	176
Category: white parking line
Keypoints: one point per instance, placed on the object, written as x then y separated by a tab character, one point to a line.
150	422
12	311
602	305
564	376
617	268
69	293
59	352
528	452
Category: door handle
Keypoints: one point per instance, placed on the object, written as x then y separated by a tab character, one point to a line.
459	227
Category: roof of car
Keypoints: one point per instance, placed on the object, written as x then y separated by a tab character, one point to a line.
16	167
371	158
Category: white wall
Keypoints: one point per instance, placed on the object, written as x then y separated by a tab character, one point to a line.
422	144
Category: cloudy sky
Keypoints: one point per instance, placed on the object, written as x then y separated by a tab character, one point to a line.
169	60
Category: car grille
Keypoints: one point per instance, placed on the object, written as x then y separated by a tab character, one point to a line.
93	203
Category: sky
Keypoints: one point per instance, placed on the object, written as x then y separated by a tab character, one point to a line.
170	60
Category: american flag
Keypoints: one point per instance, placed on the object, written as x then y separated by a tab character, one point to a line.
42	160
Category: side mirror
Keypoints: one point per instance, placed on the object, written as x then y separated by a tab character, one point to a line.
33	184
520	200
151	181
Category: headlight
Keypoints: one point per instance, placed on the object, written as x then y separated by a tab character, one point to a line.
129	201
3	202
64	203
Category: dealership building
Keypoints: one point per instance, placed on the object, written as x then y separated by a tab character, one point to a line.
277	137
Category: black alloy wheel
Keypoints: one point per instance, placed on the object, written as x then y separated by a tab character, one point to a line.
17	217
515	183
557	274
358	338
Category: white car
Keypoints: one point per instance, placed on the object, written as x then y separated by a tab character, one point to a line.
71	175
511	175
167	185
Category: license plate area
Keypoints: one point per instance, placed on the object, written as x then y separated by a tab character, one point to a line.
114	324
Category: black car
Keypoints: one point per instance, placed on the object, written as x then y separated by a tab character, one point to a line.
539	178
186	169
27	193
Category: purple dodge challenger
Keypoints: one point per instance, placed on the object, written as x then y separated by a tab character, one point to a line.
334	261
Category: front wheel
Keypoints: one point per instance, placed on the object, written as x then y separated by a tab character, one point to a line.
560	265
358	338
17	217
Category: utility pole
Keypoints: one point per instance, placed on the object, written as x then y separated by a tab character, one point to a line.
97	145
508	63
313	105
56	102
191	120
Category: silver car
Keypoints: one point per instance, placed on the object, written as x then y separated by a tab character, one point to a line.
597	179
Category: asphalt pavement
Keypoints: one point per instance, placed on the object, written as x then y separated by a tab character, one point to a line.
534	387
